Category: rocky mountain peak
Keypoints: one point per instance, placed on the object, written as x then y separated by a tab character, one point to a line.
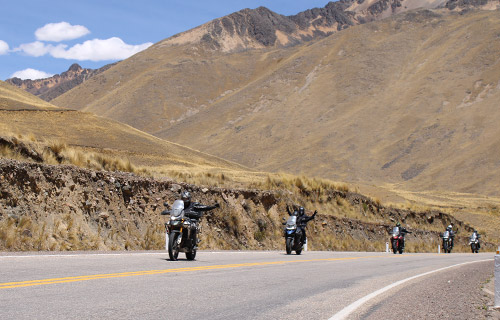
75	67
261	27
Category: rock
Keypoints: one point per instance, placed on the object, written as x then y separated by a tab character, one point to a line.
118	185
127	190
99	190
324	223
13	216
204	190
176	188
27	233
72	186
104	215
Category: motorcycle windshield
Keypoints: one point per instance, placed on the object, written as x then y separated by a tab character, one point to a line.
177	209
291	222
446	234
395	231
473	237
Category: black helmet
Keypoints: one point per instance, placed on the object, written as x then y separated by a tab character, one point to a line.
301	211
186	196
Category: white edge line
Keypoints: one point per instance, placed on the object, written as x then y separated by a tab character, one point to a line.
342	314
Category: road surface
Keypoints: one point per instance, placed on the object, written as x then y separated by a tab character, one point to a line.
229	285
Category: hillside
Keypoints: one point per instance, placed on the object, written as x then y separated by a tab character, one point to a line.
408	102
24	114
12	98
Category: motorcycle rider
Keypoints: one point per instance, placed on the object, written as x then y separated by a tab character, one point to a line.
452	234
402	231
302	220
194	211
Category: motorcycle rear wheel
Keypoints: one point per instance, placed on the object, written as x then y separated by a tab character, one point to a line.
173	246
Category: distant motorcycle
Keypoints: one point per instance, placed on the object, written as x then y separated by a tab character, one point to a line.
293	236
447	242
397	240
179	232
474	243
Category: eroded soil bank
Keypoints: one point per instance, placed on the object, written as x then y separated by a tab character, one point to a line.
47	207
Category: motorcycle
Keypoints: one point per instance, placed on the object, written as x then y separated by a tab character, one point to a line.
397	240
447	242
293	236
179	232
474	243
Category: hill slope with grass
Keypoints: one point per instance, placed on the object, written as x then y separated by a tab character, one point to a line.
27	119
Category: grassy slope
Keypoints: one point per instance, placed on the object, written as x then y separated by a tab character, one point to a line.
41	120
13	98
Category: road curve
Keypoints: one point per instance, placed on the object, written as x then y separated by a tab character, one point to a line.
218	285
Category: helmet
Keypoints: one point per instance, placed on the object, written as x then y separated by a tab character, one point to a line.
186	197
448	228
398	224
301	211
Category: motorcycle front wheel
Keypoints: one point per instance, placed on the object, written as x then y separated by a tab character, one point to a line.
173	246
394	246
288	245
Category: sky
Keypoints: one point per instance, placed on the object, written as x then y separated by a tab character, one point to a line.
41	38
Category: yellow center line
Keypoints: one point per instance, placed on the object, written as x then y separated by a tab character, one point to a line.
9	285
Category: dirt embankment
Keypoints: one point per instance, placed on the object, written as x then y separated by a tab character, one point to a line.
46	207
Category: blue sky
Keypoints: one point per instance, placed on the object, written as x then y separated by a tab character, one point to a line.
46	37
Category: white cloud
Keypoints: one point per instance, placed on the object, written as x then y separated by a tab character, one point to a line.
4	47
60	31
98	50
31	74
35	49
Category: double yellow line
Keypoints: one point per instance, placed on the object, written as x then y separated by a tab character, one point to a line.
20	284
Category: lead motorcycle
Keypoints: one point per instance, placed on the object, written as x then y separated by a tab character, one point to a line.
397	240
447	242
179	232
293	236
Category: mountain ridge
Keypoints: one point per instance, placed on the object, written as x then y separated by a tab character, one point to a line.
49	88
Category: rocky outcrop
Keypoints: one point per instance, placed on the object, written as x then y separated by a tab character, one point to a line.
50	88
261	27
46	207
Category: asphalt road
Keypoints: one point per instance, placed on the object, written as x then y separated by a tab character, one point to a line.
226	285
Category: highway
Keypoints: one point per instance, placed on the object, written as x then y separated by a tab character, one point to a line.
224	285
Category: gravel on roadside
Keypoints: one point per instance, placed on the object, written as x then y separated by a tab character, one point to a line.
457	293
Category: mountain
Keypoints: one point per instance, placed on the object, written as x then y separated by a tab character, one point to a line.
50	88
405	102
